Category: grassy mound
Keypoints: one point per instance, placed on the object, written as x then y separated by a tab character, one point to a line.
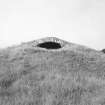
68	74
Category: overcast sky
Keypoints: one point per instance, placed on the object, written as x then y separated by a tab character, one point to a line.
77	21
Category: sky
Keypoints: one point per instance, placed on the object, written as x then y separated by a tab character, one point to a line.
77	21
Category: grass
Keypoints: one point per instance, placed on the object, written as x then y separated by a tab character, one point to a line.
69	77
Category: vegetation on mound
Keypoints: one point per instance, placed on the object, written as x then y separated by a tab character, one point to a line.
30	76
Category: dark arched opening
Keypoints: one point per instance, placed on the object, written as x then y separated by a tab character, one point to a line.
103	50
49	45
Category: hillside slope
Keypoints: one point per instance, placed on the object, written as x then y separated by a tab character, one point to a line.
51	71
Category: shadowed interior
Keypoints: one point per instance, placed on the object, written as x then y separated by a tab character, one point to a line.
49	45
103	50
